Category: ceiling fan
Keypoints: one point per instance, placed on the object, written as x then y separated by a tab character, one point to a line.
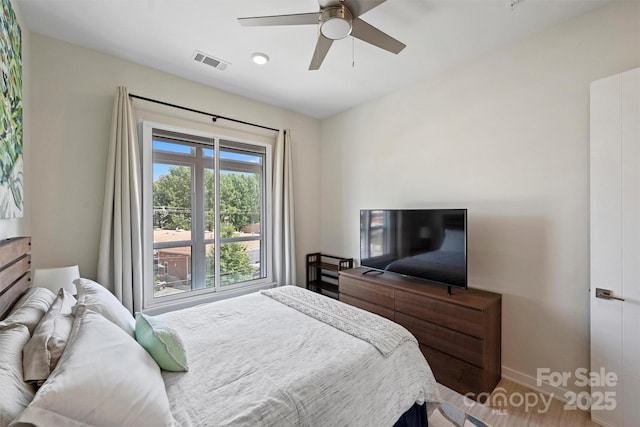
337	19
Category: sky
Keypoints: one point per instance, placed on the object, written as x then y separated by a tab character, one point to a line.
160	169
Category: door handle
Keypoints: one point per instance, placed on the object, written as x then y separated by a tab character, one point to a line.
606	294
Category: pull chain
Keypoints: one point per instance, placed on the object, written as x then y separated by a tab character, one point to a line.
353	52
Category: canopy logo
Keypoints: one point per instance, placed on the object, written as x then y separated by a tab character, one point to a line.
499	400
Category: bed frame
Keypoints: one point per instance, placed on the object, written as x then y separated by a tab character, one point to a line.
15	274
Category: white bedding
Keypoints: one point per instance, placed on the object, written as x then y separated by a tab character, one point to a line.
254	361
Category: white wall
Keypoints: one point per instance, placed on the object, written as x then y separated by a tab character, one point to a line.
13	227
72	99
507	137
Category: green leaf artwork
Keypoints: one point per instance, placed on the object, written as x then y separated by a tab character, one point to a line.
11	162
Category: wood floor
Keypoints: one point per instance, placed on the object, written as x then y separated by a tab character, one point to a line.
550	413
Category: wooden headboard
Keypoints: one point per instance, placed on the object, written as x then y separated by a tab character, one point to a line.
15	275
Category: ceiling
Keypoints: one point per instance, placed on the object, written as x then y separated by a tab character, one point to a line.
164	34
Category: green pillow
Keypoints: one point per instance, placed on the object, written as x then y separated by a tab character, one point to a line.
161	342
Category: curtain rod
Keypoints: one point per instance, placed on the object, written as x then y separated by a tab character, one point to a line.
214	117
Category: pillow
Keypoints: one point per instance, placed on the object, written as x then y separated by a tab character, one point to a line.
161	342
96	297
453	240
49	339
104	378
30	308
15	394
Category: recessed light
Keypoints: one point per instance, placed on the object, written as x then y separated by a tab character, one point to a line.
259	58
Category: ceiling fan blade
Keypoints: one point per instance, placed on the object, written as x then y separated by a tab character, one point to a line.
370	34
358	7
296	19
322	47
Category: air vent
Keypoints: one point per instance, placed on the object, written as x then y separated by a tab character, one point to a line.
210	60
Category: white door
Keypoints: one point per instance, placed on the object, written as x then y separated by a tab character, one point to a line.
615	250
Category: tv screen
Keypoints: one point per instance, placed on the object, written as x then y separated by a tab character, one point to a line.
428	244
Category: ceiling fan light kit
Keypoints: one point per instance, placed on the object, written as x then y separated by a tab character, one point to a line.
337	19
335	22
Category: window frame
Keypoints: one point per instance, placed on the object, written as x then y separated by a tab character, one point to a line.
218	140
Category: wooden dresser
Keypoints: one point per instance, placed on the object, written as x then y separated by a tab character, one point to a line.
459	334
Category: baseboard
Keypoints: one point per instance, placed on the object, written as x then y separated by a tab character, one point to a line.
532	383
601	422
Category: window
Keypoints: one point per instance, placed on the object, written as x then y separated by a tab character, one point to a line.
206	214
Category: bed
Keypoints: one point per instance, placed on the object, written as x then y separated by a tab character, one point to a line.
282	357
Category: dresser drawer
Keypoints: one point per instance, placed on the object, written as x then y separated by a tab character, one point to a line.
454	343
377	309
459	318
366	291
453	373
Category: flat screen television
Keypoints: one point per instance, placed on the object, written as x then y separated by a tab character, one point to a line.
427	244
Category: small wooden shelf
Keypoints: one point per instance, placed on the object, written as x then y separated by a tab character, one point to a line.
319	285
322	272
325	265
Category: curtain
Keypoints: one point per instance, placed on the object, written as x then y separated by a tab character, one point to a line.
284	254
120	255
